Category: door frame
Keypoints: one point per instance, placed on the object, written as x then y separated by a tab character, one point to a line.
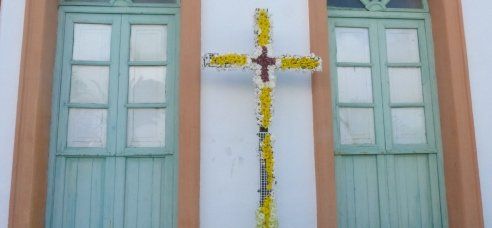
120	21
376	23
29	178
456	117
31	152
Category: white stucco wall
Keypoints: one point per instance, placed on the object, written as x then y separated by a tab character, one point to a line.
11	29
478	32
229	162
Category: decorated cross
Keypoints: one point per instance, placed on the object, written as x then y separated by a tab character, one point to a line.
264	66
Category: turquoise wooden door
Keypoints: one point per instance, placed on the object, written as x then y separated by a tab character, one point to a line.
388	156
113	153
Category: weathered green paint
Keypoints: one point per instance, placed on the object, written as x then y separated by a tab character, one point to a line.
389	185
114	186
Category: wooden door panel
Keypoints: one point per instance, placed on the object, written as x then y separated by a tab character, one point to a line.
357	191
145	190
81	192
411	191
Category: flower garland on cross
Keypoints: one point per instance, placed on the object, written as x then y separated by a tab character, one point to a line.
264	66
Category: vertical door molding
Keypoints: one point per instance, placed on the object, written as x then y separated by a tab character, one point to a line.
29	179
459	149
29	174
322	117
189	115
458	133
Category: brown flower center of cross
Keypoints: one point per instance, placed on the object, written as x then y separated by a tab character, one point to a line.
264	61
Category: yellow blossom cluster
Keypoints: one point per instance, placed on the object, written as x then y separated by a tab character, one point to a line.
267	155
265	110
228	60
264	25
267	219
300	63
267	209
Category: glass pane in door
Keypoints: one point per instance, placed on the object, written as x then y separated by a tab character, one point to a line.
146	127
357	126
147	84
92	42
87	127
148	43
408	125
352	45
89	84
354	85
402	45
405	85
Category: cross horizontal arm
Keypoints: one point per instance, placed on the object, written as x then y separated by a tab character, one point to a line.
226	61
304	63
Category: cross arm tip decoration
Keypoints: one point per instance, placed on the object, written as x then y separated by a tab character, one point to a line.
226	61
263	28
303	63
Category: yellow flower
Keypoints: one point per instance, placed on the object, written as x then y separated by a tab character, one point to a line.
263	22
266	214
266	217
302	63
228	60
265	98
267	155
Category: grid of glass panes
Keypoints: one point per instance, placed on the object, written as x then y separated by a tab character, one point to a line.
406	100
146	105
355	87
89	86
380	86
